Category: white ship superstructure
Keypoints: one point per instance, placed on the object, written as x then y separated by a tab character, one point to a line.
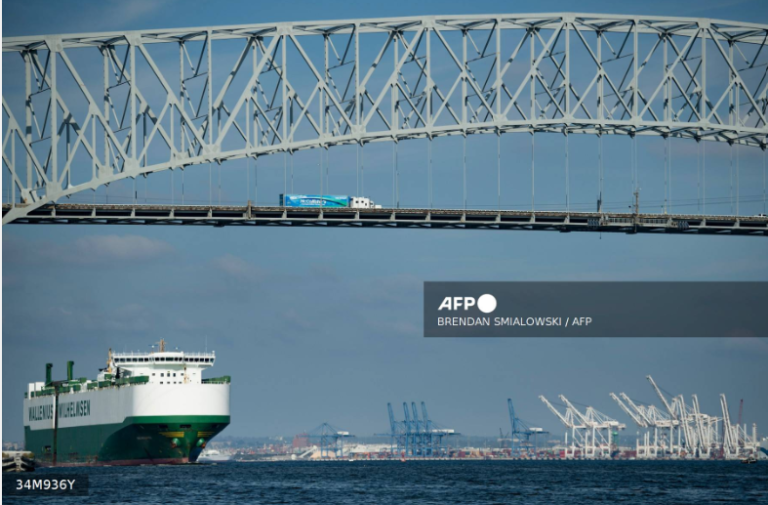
152	407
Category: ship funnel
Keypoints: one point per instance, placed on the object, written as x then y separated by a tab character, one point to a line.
48	369
70	365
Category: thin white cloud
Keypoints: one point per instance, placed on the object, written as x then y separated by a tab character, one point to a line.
88	250
237	268
126	247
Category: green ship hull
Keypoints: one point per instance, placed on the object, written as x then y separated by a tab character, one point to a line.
135	441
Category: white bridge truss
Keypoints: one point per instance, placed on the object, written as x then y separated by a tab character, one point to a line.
85	110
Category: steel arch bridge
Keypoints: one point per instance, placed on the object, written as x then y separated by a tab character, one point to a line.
86	110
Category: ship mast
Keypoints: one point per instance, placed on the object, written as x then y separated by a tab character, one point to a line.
109	361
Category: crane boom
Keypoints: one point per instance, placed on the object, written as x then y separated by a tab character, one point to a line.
555	411
687	431
415	417
728	441
512	416
427	423
699	423
407	420
637	419
656	388
640	412
573	409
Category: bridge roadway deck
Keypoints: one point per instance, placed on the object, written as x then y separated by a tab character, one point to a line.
250	215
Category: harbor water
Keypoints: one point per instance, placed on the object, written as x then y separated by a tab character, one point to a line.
425	482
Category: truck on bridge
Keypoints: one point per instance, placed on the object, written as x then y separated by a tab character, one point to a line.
327	201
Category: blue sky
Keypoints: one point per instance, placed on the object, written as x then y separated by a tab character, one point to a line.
325	325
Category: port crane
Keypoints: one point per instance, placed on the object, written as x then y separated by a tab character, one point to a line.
687	421
737	442
642	450
414	437
706	428
409	436
730	441
330	440
655	419
571	422
520	430
598	444
633	415
675	420
700	430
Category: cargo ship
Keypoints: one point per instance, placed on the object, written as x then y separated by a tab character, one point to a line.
143	408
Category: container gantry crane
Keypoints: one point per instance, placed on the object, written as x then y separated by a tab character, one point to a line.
520	429
642	450
570	421
330	439
414	437
673	415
